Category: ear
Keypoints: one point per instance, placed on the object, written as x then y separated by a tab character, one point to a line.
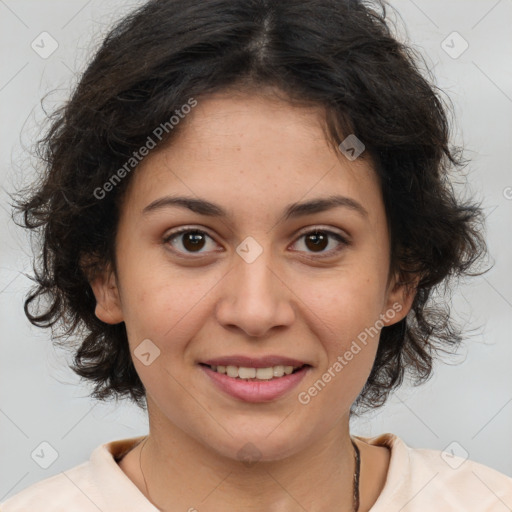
106	291
400	296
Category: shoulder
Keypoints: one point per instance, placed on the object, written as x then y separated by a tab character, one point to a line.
56	493
97	484
419	479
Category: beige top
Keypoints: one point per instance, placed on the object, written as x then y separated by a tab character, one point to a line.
418	480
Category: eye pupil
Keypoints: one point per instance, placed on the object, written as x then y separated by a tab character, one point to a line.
193	240
319	241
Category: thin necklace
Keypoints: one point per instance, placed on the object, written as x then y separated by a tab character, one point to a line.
356	474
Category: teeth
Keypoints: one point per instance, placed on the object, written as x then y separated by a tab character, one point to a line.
262	373
246	373
243	372
232	371
278	371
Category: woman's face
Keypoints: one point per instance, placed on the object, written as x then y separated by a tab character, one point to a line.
255	282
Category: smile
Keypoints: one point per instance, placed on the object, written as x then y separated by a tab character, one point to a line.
261	382
248	373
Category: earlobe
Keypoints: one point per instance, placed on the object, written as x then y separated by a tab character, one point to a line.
108	304
399	302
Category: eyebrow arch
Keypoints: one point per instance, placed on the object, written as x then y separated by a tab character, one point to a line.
293	210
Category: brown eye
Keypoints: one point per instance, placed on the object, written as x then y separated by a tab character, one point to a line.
317	240
193	240
188	240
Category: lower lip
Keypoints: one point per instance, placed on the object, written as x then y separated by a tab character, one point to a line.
256	391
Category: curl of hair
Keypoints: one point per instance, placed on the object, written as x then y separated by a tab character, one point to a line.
339	54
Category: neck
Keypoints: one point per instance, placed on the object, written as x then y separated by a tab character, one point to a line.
181	473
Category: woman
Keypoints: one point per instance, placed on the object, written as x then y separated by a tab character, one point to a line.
244	215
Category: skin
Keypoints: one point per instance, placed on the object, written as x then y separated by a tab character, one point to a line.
252	155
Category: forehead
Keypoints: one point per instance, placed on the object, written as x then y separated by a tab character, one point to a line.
253	151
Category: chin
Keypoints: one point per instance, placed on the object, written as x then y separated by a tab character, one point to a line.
257	444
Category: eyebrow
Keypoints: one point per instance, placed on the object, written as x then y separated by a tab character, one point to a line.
292	211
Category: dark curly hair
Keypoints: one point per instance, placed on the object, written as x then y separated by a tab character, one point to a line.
339	54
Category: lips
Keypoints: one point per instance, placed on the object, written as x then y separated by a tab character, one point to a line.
254	362
223	373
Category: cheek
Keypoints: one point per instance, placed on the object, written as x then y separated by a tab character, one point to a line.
345	320
345	312
346	303
166	305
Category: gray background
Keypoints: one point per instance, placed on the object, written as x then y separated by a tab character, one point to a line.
468	401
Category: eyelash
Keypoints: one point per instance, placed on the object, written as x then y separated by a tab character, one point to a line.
343	241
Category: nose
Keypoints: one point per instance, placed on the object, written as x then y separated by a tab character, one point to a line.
255	298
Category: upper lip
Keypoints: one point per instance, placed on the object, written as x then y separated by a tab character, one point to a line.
254	362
